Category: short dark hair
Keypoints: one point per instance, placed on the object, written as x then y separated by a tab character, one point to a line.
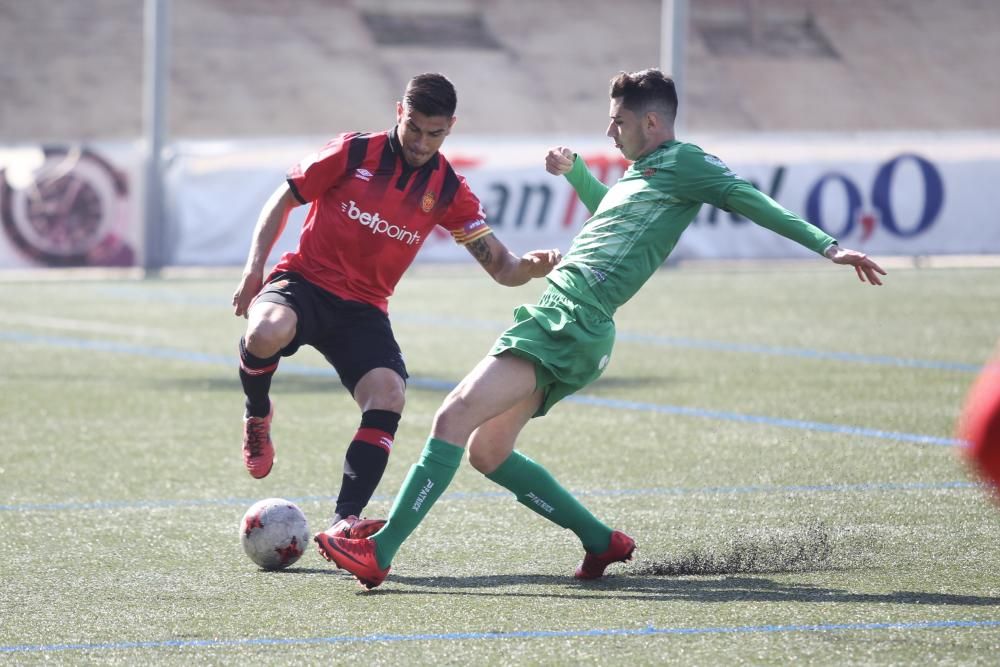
648	90
431	94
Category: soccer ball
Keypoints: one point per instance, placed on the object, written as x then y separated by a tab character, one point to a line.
274	533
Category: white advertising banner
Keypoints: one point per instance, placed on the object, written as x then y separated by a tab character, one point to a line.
66	206
908	194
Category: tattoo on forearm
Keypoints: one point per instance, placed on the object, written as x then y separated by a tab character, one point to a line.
480	249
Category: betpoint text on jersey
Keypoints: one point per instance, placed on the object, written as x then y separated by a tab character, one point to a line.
380	225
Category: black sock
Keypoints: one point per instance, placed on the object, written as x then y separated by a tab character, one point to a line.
365	461
255	374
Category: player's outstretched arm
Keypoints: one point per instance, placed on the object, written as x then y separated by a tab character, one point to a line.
507	268
270	223
864	266
748	201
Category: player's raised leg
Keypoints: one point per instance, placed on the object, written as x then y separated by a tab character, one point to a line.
270	327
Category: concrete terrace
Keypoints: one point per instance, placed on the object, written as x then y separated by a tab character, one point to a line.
72	69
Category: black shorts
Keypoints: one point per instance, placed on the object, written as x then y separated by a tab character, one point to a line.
354	337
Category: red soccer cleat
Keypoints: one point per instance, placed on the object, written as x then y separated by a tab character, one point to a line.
355	556
365	528
979	425
619	550
354	528
258	450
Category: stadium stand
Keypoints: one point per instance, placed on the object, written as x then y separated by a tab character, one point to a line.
72	69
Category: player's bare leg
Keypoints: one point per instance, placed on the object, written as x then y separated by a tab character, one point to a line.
270	327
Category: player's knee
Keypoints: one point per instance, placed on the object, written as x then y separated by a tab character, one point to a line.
443	417
397	400
483	459
265	338
450	422
392	399
381	389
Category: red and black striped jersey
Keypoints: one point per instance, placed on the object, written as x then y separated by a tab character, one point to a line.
371	211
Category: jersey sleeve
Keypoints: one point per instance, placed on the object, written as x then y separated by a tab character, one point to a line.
751	203
590	190
318	172
464	217
703	177
707	179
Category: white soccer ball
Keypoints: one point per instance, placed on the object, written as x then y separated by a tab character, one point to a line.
274	533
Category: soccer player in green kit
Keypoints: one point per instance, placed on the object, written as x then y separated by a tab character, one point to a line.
564	342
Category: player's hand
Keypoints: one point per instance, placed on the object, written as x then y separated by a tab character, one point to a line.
248	288
559	160
541	262
866	268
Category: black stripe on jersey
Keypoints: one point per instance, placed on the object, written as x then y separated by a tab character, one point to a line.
418	187
448	189
387	161
356	151
386	168
425	172
295	191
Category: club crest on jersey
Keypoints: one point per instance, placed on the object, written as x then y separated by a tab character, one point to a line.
363	174
649	171
427	203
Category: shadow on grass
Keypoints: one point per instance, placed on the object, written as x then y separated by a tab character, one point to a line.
230	384
650	588
308	570
641	586
324	380
734	570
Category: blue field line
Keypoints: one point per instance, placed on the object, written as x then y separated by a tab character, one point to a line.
714	345
120	347
648	339
442	385
804	353
490	495
767	421
647	631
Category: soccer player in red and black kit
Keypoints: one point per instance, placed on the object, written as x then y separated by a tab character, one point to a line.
374	200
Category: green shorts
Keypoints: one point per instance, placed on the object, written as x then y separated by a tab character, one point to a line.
568	342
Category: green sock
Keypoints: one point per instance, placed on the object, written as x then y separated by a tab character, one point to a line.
539	491
427	480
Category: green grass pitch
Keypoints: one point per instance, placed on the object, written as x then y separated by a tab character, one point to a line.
778	440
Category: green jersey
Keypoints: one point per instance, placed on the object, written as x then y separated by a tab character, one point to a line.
635	224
